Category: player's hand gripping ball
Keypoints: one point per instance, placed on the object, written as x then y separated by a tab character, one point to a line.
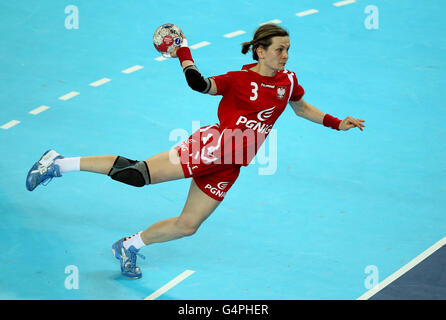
167	38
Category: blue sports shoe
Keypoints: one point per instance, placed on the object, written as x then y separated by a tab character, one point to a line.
127	257
43	170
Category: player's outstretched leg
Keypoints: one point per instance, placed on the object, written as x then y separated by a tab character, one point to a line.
161	167
197	209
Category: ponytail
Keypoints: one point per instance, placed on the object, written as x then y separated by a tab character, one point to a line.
262	37
246	46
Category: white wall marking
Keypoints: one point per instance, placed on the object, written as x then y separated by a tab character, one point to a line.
132	69
39	110
200	44
100	82
403	270
276	21
10	124
343	3
69	95
170	285
306	13
234	34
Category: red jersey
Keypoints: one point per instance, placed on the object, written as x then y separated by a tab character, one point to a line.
255	97
250	106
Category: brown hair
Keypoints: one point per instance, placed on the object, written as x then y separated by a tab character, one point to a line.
263	37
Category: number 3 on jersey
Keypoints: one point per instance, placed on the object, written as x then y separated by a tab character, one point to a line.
254	91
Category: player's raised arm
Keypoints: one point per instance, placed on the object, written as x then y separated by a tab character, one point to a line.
305	110
193	76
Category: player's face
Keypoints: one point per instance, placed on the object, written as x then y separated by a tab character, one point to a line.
276	56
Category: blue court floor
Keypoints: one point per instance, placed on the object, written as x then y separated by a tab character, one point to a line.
336	212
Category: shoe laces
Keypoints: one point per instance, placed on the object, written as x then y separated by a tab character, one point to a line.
132	258
43	170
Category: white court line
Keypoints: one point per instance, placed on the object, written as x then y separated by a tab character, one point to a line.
169	285
10	124
199	45
343	3
132	69
403	270
69	95
234	34
276	21
306	13
100	82
39	110
161	58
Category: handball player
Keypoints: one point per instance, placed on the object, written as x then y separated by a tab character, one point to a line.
252	100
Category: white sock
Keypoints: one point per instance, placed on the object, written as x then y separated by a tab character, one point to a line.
69	164
134	240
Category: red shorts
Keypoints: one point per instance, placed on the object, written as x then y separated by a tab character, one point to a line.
198	162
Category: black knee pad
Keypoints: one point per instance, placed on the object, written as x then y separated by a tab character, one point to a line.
131	172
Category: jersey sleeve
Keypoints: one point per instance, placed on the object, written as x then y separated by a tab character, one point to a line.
223	83
298	91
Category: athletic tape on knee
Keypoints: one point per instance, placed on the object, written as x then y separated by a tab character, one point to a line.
131	172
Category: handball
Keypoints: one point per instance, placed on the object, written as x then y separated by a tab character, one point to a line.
167	38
